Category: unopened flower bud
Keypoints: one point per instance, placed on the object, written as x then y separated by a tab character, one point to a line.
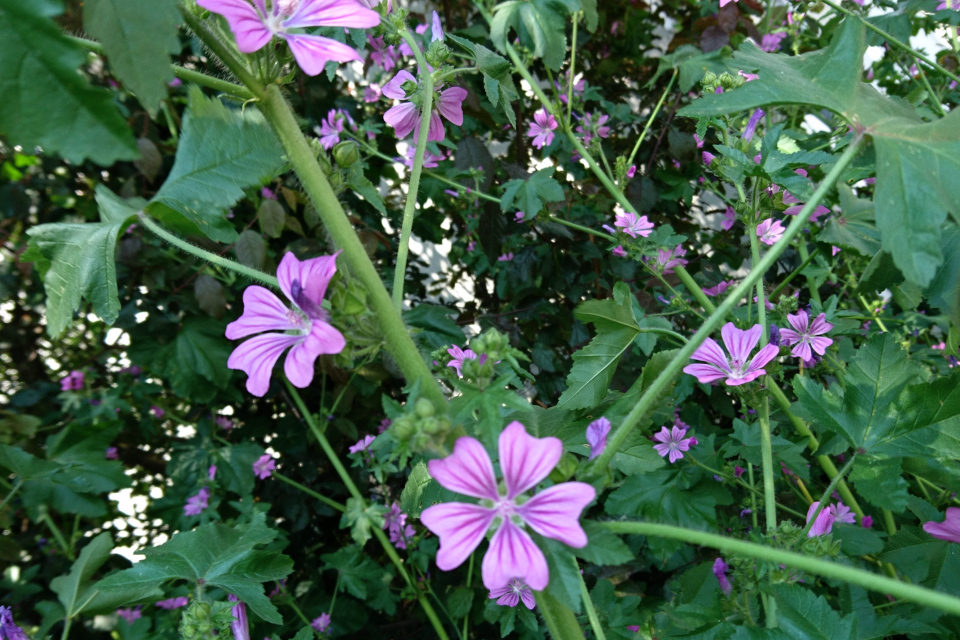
437	53
346	153
424	408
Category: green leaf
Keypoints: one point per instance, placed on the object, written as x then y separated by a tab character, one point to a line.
924	560
805	616
360	518
917	162
864	411
604	547
657	497
589	8
528	195
220	555
595	364
564	573
854	228
235	465
77	261
880	482
438	328
413	490
138	36
944	290
540	25
221	152
47	102
357	570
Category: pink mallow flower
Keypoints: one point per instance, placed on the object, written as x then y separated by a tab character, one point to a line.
619	251
512	593
321	623
667	260
841	513
717	289
9	630
736	370
130	615
196	504
797	206
362	445
949	529
824	522
672	443
457	357
254	26
264	467
395	521
770	231
552	513
597	436
720	569
430	160
405	116
306	327
807	335
240	626
588	129
729	219
330	129
542	128
73	381
633	225
111	453
173	603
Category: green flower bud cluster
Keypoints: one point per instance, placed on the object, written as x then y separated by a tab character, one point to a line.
203	621
725	81
423	429
346	153
437	54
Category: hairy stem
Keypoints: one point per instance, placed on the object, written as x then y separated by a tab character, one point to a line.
588	605
560	621
310	492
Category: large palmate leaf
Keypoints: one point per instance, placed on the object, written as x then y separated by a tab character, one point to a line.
528	195
138	36
46	101
77	261
803	615
541	25
918	163
594	365
221	152
220	555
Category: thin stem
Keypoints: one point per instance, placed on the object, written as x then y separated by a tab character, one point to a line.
66	628
748	487
694	288
410	207
824	568
588	602
761	307
811	281
573	60
769	490
212	258
653	116
826	495
888	522
574	225
466	618
893	41
559	619
934	98
226	54
794	274
355	492
650	396
310	492
62	541
13	492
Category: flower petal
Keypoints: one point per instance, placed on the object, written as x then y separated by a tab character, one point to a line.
705	373
299	365
710	352
763	356
555	512
740	343
245	22
332	13
313	275
403	118
526	460
467	470
799	321
820	344
257	356
436	132
460	527
513	554
314	52
262	311
394	88
450	104
820	326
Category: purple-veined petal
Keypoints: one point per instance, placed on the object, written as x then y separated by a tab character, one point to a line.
403	117
526	460
245	22
394	88
314	52
528	600
460	527
508	598
262	311
313	275
711	353
740	343
555	512
323	338
819	326
801	350
332	13
467	470
513	554
436	132
450	104
257	356
799	321
949	529
819	344
763	356
824	522
789	336
705	373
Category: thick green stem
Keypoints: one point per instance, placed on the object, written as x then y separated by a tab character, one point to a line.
816	566
220	261
694	288
355	492
227	55
560	621
410	207
588	605
573	62
793	274
304	161
822	503
766	454
713	322
310	492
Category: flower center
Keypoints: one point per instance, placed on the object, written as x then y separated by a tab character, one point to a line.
300	298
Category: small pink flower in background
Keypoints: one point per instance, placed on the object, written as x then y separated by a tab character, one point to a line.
708	158
157	411
196	504
834	251
720	569
751	127
253	27
718	288
372	92
404	117
949	529
770	231
321	623
675	163
173	603
430	160
542	128
266	192
330	129
729	219
757	158
633	225
824	522
841	513
724	3
436	30
789	198
866	522
518	217
176	82
507	257
264	467
672	443
305	328
597	436
620	251
748	77
667	260
552	513
697	139
111	453
239	626
72	382
807	335
588	128
458	355
738	471
632	171
224	423
211	472
771	42
8	628
130	614
395	521
512	593
362	445
736	370
633	627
